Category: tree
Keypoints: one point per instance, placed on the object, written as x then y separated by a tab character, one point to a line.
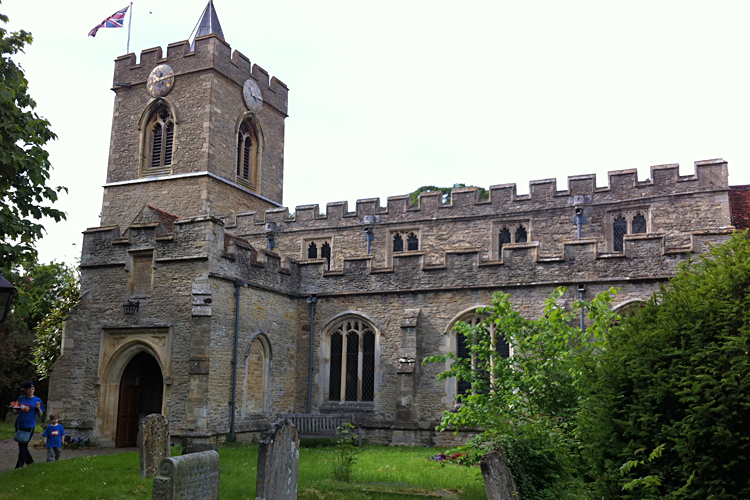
24	164
527	405
45	296
49	330
414	196
676	375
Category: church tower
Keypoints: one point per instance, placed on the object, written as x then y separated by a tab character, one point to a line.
198	132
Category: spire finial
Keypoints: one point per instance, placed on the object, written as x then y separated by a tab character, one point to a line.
207	24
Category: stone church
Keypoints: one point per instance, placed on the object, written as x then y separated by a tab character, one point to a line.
206	300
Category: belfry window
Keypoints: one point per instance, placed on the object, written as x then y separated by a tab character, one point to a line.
352	369
247	152
161	139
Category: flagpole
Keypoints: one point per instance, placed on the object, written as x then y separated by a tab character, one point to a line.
130	21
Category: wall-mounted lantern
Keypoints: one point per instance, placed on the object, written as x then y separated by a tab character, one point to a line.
131	307
7	291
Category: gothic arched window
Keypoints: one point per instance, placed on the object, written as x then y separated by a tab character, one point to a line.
352	369
521	235
247	154
504	238
160	139
639	224
619	230
463	351
398	243
312	251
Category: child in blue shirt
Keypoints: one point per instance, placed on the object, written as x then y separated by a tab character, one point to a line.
53	437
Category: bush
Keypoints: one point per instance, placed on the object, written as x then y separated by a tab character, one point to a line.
677	373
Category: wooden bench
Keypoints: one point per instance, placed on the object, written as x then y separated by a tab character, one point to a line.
321	425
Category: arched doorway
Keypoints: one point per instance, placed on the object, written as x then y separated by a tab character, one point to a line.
141	391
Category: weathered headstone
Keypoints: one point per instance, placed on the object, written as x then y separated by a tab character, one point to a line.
498	481
194	445
278	461
154	443
189	477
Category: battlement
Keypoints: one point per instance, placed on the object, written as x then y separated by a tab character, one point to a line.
623	187
211	52
645	257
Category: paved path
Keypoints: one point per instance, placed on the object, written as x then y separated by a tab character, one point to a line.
9	453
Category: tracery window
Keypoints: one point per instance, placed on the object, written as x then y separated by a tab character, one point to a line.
412	241
463	351
160	139
633	221
507	233
352	368
247	154
318	248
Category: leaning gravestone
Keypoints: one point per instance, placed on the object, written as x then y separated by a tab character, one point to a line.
154	443
498	481
189	477
278	461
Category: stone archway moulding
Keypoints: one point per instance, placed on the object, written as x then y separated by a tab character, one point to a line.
118	347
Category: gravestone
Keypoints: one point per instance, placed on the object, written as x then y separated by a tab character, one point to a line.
498	481
189	477
194	445
278	461
154	443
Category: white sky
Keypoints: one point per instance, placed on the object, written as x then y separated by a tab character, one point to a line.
387	96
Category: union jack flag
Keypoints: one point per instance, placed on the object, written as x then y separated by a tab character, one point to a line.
116	20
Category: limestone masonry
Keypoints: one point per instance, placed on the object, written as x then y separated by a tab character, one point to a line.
205	300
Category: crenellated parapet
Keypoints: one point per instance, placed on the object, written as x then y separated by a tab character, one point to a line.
645	257
196	239
623	187
210	52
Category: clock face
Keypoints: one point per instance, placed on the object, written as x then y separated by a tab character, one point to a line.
160	81
253	99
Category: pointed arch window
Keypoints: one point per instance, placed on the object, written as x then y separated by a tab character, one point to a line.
247	154
463	351
160	140
405	241
312	251
504	238
352	370
629	221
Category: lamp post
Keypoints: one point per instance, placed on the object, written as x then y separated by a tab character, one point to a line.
7	290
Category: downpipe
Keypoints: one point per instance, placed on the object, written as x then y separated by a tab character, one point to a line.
312	300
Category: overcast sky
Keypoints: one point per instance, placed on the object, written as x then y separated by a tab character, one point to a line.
387	96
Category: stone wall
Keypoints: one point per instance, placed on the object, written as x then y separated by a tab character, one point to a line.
674	206
207	105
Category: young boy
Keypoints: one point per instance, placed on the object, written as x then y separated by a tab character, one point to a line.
53	437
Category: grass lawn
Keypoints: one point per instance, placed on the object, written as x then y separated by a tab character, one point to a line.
381	473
